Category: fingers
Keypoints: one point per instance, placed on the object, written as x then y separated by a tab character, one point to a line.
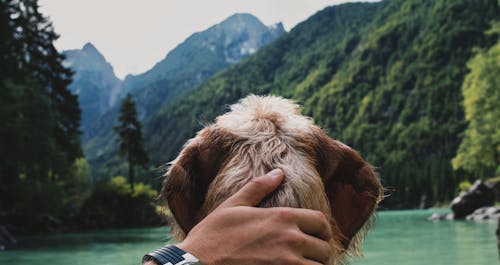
254	191
311	235
311	243
316	250
312	222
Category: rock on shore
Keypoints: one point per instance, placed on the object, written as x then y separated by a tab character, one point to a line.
479	195
485	213
475	204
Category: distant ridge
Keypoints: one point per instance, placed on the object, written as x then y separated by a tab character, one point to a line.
183	69
94	82
223	44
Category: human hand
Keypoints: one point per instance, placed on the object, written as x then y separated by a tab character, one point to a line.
238	233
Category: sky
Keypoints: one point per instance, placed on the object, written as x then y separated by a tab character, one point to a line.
134	35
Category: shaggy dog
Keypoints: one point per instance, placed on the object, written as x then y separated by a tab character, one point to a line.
263	133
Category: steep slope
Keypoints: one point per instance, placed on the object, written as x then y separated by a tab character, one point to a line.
327	37
93	81
383	77
228	42
198	58
184	68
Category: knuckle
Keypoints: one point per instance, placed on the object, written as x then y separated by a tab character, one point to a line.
294	239
321	217
324	222
284	214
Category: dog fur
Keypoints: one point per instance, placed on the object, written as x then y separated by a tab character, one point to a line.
263	133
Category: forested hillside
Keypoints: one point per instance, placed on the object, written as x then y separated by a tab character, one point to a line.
184	68
383	77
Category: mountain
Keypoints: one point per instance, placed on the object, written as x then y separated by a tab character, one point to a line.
382	77
219	46
184	68
94	82
197	58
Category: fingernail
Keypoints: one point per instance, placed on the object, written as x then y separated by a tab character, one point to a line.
275	173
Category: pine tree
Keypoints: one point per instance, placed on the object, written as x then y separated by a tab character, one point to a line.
130	137
41	118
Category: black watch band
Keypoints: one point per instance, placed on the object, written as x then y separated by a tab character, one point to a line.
170	255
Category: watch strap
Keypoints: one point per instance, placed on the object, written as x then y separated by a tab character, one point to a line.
170	255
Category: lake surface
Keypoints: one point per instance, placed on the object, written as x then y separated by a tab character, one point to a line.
407	238
399	237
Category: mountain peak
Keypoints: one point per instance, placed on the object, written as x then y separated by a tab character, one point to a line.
276	29
241	20
90	48
277	26
245	16
225	43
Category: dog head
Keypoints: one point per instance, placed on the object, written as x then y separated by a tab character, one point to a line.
263	133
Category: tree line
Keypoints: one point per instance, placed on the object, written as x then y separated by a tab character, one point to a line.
44	178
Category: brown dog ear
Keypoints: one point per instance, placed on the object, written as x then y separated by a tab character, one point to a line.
191	173
350	185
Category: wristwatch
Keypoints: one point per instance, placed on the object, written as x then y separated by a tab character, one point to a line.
171	255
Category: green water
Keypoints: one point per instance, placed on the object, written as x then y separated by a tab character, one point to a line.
400	237
406	237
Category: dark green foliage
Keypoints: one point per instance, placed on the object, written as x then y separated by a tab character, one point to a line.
34	93
41	206
398	102
113	204
384	78
39	135
479	151
130	137
32	206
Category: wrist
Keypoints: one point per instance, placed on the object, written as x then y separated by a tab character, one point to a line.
194	249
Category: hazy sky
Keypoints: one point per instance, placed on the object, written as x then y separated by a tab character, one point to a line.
134	35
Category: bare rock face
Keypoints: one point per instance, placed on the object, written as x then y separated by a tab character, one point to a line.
479	195
485	213
94	82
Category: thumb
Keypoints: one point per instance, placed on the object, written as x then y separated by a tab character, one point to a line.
256	190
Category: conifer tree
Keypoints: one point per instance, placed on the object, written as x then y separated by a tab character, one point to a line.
130	137
41	118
